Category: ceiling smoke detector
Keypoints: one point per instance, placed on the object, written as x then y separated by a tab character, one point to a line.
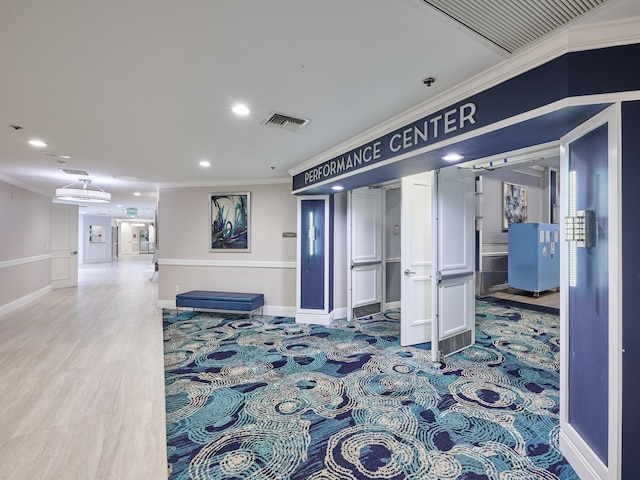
285	121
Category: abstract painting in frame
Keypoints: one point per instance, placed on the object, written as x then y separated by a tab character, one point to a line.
514	204
230	219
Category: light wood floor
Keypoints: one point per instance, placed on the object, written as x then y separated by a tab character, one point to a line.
549	298
82	381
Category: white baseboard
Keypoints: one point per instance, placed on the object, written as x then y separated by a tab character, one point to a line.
315	318
339	313
22	301
578	454
273	310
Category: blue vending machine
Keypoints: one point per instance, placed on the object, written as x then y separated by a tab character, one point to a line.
534	256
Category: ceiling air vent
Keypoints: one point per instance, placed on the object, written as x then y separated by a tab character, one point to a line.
285	121
513	24
80	173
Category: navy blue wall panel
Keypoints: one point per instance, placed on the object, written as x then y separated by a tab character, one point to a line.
630	289
331	252
589	299
604	70
312	265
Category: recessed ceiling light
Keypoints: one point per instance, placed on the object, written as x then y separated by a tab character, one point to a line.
240	109
205	163
37	143
337	188
137	194
452	157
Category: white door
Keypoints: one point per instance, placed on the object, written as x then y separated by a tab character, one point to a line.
453	328
365	252
416	260
64	246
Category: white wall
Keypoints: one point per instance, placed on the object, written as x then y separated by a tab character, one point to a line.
94	252
25	245
340	268
494	237
393	215
184	243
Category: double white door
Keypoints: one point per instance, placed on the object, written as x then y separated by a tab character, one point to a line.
437	250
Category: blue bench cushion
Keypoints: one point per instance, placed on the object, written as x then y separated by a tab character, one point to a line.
220	300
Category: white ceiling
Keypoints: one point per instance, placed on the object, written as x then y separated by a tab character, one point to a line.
137	92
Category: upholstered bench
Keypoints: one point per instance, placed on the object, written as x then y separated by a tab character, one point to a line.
220	301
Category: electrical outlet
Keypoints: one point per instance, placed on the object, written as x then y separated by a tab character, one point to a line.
177	288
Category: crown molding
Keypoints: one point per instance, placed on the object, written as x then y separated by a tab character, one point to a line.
225	183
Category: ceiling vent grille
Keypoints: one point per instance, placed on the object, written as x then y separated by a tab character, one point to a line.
285	121
80	173
513	24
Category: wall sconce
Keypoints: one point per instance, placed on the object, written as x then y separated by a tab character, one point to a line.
311	234
580	228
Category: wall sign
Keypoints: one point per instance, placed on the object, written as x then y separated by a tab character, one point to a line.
425	131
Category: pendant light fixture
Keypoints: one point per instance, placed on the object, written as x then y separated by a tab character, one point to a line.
81	191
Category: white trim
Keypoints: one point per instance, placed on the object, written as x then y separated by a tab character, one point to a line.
534	173
186	262
22	301
314	318
576	452
225	183
339	314
606	34
24	186
572	445
349	251
272	310
615	291
572	39
21	261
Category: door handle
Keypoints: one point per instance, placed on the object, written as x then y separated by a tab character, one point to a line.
74	253
408	272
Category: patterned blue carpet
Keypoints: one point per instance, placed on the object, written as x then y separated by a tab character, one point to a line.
270	399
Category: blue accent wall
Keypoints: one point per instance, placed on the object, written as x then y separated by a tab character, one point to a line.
604	70
312	274
630	289
331	251
589	299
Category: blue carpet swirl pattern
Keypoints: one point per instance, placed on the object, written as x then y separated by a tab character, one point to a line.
266	398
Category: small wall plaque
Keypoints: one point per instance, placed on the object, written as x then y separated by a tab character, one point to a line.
289	235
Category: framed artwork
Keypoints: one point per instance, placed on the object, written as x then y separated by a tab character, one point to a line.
514	204
230	218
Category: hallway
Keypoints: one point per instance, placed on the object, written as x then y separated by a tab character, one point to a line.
82	381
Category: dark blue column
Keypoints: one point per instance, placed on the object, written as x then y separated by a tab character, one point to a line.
630	289
315	258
